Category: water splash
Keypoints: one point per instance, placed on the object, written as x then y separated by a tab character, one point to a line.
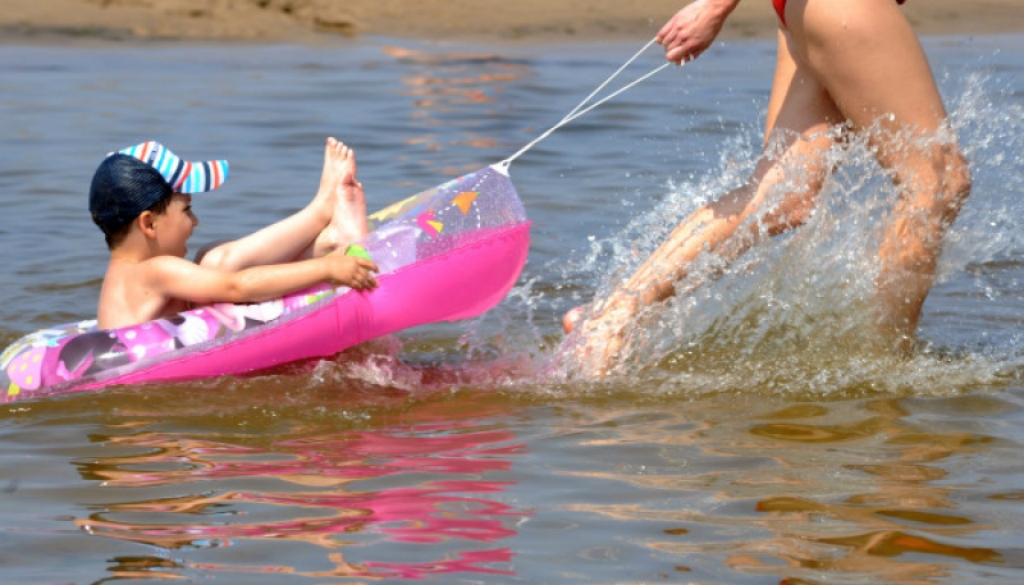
794	315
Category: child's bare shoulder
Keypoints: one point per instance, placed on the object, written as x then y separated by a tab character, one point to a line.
160	269
134	292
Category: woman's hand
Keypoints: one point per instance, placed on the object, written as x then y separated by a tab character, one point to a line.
692	30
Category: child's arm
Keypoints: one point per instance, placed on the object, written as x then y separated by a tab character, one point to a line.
176	278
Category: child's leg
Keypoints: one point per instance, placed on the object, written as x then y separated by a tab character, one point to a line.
295	236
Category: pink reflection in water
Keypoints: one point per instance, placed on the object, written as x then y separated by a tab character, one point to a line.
453	504
334	459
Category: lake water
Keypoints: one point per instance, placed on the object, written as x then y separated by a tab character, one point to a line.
753	440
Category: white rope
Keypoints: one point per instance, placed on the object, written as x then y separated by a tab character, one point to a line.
579	110
613	76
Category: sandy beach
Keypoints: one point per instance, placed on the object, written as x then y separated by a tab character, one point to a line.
495	21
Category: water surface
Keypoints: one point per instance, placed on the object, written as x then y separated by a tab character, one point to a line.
752	441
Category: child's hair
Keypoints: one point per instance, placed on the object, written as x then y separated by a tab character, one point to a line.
114	239
122	188
143	178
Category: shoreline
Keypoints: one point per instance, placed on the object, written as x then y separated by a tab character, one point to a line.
492	22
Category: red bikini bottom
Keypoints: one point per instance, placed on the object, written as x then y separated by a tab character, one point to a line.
780	8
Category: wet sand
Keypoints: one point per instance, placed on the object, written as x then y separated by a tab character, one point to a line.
332	21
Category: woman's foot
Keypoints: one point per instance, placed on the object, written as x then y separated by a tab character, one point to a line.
571	319
598	335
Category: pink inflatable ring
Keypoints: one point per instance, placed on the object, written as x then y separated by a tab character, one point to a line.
448	253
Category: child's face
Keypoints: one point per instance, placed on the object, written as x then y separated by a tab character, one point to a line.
174	226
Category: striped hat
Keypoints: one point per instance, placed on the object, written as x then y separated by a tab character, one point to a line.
135	179
182	176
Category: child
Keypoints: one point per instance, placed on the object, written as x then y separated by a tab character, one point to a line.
141	199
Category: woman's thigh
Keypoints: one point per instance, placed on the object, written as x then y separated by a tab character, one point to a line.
865	55
799	102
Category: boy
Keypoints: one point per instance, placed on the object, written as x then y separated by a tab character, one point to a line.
141	199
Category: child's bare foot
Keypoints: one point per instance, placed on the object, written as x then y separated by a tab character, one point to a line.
349	221
344	194
329	179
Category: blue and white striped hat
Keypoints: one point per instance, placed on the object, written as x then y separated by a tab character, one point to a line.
136	178
182	176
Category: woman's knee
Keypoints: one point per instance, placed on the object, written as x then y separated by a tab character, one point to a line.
946	185
935	180
956	183
793	213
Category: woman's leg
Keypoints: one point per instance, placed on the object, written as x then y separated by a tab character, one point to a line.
797	136
335	216
864	53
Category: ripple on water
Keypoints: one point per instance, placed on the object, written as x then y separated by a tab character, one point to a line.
754	439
